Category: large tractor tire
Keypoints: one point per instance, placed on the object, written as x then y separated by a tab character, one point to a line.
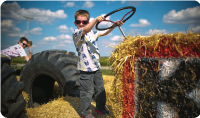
43	69
12	102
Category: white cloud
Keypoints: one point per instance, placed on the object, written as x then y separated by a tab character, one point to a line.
14	11
91	19
15	32
7	23
64	37
185	16
60	38
68	41
36	30
142	23
10	30
50	39
137	2
15	35
58	46
195	28
112	44
63	1
63	29
102	31
108	1
71	29
107	43
156	31
8	27
88	4
34	46
69	4
61	41
116	38
123	1
16	29
103	24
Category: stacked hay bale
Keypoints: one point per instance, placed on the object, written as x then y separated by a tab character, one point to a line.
157	76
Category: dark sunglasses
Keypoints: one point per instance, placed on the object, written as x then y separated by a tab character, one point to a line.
80	21
24	44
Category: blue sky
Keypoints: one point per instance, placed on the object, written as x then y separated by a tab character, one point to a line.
53	21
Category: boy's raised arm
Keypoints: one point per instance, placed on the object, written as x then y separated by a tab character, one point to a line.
90	25
118	23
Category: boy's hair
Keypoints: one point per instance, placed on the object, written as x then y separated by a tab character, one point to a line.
82	13
30	43
23	39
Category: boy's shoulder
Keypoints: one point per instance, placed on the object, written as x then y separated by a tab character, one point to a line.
93	31
75	30
17	45
14	46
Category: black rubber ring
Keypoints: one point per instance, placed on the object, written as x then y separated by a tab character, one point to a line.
128	7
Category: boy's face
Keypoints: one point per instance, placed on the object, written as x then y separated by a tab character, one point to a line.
81	21
23	44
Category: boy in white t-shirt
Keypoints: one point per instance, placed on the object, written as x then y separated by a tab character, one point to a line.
16	50
91	80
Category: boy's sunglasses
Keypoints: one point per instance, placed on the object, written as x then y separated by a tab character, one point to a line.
80	21
24	44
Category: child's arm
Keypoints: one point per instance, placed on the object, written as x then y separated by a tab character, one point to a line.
31	52
30	55
26	58
91	24
108	31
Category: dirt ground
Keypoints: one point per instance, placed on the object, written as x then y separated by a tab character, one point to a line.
69	107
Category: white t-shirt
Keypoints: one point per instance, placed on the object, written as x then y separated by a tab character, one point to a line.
14	51
87	49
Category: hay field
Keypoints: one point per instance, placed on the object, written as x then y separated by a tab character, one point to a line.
69	107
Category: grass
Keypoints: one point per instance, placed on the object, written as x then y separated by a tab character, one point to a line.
104	71
103	61
107	72
20	60
18	67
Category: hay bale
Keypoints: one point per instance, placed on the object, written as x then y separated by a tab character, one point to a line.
131	50
56	108
69	107
159	45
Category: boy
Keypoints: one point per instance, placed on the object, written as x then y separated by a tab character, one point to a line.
29	50
16	50
91	81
